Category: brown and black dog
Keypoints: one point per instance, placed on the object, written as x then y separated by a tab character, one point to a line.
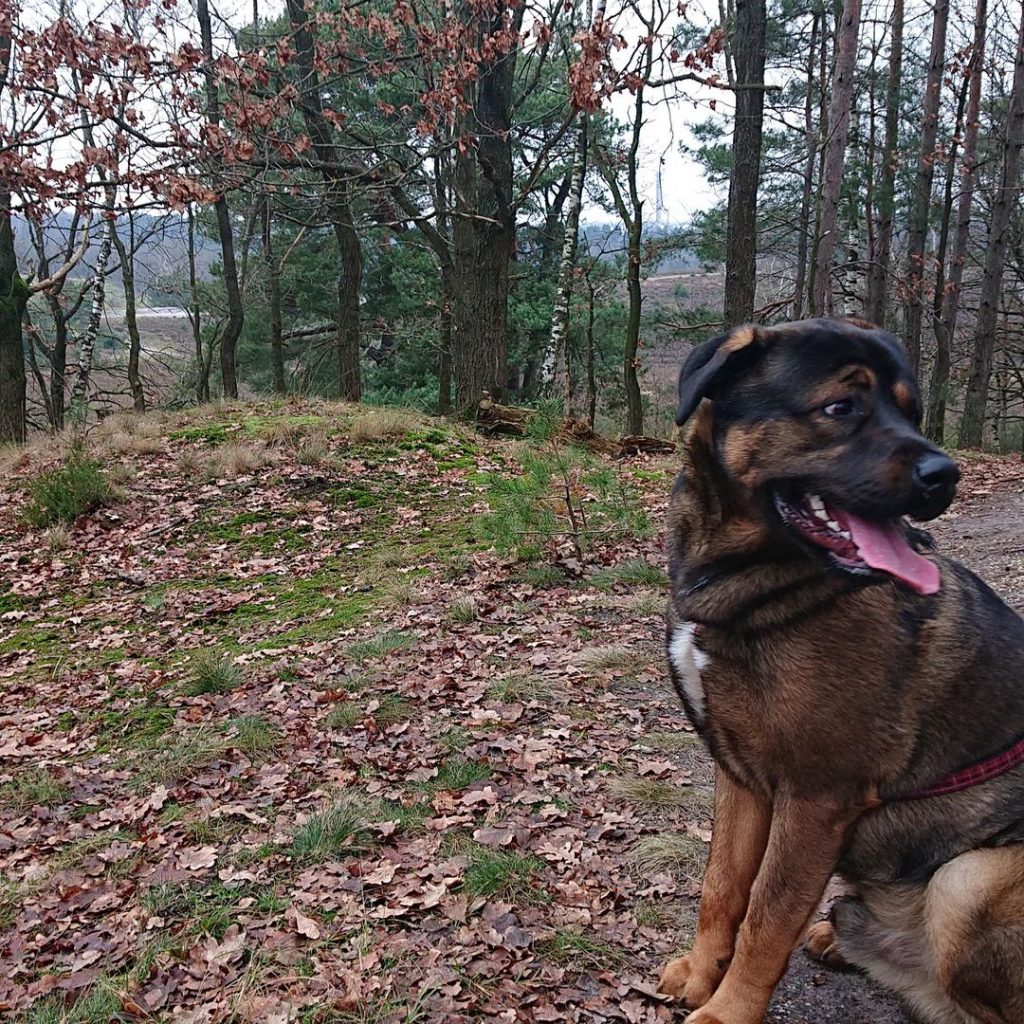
863	699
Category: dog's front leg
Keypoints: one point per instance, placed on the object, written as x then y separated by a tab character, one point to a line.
804	843
738	842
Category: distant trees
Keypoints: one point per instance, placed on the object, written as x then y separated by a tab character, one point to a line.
379	201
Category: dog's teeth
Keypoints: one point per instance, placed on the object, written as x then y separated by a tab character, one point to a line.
845	534
816	503
822	514
833	525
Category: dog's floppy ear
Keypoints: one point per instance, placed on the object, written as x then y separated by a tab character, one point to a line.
705	367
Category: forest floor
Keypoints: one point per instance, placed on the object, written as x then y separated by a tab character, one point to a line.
284	739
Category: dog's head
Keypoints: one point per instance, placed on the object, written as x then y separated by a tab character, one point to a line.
819	419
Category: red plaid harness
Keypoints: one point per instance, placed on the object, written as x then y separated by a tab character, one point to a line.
974	774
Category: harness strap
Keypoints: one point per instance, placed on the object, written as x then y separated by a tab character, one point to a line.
974	774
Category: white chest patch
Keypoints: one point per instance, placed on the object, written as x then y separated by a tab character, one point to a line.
689	661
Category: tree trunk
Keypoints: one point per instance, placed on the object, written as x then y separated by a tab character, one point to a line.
78	406
126	254
14	295
811	141
878	275
591	368
835	153
338	199
483	228
558	336
741	233
229	268
945	322
972	423
274	295
918	229
202	361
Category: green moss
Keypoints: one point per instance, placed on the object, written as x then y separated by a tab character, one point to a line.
212	433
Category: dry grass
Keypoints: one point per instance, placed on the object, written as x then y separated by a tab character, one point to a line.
234	459
57	537
13	458
676	852
382	424
518	688
619	656
672	742
462	610
188	464
642	792
313	449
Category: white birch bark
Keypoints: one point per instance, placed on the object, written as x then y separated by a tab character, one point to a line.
87	344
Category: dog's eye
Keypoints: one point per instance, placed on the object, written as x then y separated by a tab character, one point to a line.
844	407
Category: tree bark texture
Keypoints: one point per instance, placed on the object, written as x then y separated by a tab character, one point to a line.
741	234
126	255
14	296
876	305
811	141
835	153
922	200
274	298
483	224
945	322
229	268
559	333
972	423
79	404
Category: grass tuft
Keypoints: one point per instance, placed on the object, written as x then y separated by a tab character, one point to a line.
675	852
189	752
62	495
578	951
384	424
634	571
455	773
632	789
503	873
338	829
519	687
462	610
254	735
234	459
602	659
381	645
33	787
672	742
212	672
541	576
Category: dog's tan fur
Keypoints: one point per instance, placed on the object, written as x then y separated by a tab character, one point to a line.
821	714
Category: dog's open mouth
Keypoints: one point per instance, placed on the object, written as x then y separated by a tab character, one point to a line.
859	545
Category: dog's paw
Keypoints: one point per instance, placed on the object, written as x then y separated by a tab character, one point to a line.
682	982
821	945
702	1017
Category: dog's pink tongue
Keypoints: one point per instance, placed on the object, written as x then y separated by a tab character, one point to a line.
883	546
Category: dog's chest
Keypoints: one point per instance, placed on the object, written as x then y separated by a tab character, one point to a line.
689	662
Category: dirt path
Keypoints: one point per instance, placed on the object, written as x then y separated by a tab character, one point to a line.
986	533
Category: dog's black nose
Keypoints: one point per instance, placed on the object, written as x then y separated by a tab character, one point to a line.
935	476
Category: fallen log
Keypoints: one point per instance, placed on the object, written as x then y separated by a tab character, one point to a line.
637	444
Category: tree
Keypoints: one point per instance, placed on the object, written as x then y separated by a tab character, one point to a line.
834	154
948	295
877	298
229	268
337	200
972	423
921	205
748	48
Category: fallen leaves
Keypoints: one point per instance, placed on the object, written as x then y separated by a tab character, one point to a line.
180	844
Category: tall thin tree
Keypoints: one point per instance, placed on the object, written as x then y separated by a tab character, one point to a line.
847	36
972	423
748	48
876	304
921	205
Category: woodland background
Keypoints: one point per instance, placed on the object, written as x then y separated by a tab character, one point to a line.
382	201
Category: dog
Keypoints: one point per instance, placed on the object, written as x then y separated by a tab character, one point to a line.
862	697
